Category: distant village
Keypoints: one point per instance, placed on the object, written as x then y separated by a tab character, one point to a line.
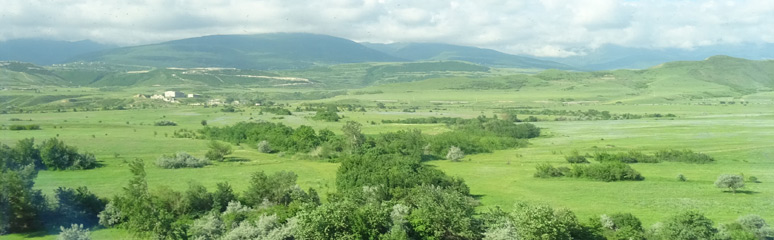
174	96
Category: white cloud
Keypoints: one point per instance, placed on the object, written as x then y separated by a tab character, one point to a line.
544	27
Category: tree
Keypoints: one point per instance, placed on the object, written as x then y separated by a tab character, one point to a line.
197	199
78	206
455	154
218	150
353	135
276	188
442	214
730	181
204	122
688	225
264	147
222	196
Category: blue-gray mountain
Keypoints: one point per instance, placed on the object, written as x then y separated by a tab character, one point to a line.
46	52
482	56
610	57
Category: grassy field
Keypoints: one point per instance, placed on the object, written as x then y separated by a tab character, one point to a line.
738	136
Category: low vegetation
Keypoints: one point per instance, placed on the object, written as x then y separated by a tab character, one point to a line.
181	160
607	172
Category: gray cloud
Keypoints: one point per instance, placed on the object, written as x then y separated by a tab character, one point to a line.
541	27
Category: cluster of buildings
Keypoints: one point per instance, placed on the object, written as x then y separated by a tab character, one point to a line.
170	96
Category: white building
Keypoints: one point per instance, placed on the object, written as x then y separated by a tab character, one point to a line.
174	94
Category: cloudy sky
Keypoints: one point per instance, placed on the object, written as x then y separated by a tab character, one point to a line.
538	27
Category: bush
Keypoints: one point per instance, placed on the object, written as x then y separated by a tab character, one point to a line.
545	170
75	232
455	154
181	160
16	127
730	181
165	123
753	179
56	155
625	157
327	115
681	177
277	111
110	216
687	225
575	157
217	150
263	146
686	156
606	172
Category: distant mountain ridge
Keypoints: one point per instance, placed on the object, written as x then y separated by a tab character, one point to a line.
482	56
46	52
609	57
259	51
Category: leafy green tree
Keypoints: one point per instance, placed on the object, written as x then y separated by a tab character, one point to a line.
345	219
78	206
328	114
440	213
276	188
730	181
222	196
543	222
196	199
304	138
218	150
20	205
689	225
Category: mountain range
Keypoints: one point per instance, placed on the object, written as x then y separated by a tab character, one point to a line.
46	52
302	50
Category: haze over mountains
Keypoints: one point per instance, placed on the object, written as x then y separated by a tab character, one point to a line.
302	50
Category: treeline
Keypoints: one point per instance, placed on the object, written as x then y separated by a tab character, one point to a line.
51	154
18	127
471	136
579	115
607	172
669	155
24	209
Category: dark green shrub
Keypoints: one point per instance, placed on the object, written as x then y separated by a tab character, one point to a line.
165	123
686	156
546	170
606	172
575	157
16	127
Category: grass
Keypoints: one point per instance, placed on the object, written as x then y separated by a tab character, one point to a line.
738	136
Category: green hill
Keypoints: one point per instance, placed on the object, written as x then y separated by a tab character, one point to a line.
739	74
19	74
704	81
261	51
486	57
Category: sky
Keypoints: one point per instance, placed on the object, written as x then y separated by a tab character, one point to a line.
547	28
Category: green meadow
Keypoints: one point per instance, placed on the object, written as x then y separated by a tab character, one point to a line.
738	135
